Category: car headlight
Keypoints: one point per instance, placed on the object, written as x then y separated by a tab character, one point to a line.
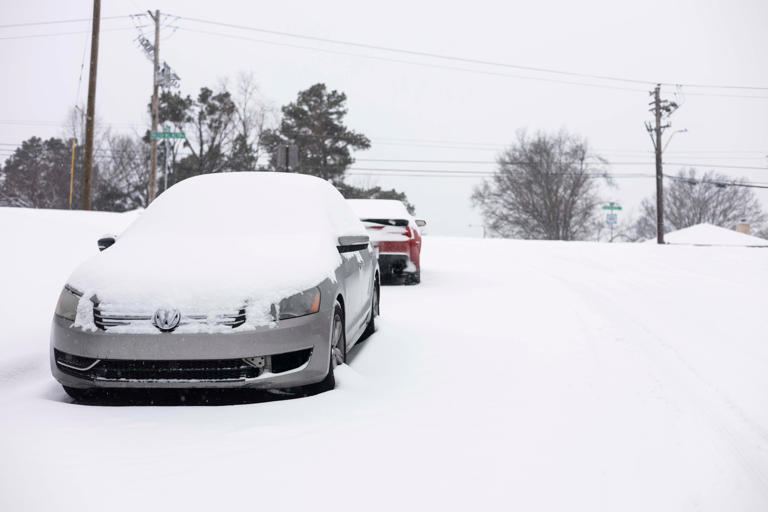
67	305
304	303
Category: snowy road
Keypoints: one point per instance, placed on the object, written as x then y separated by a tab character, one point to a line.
517	376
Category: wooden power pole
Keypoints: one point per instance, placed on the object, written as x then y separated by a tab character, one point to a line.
152	140
661	109
659	170
88	157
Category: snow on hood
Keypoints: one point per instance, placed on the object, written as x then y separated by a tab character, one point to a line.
205	273
213	242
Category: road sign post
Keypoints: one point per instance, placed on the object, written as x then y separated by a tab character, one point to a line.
611	218
287	157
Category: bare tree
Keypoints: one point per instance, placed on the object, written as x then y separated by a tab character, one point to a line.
252	115
544	189
121	183
691	200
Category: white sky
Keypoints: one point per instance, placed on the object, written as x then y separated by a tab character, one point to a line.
400	105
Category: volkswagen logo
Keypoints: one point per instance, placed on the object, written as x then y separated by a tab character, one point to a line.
166	319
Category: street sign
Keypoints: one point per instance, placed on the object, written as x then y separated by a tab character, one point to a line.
166	135
611	219
287	156
611	206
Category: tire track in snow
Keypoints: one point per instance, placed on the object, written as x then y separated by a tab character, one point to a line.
714	406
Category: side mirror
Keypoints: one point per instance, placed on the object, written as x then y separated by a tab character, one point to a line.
106	242
421	223
353	243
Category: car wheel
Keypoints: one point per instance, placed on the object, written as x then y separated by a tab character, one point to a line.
375	301
414	278
338	355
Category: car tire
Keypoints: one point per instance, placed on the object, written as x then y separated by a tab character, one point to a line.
338	340
375	305
414	278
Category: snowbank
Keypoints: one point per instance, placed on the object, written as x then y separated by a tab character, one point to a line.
707	234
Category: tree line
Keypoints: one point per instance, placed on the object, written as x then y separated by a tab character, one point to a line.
226	129
546	187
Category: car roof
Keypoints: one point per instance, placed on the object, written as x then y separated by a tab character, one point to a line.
379	209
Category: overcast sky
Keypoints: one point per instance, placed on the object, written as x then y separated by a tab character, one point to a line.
413	107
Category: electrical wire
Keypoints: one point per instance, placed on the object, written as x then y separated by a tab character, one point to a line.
465	59
56	34
77	20
414	63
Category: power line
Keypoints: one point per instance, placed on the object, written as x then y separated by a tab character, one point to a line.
425	161
699	164
14	122
453	68
695	181
57	22
56	34
414	63
465	59
488	172
719	166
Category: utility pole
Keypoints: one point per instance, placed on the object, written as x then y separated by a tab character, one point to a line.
153	141
659	169
72	173
165	165
660	108
88	158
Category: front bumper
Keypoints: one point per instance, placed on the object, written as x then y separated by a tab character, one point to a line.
156	360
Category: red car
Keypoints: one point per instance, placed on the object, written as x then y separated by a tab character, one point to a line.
397	236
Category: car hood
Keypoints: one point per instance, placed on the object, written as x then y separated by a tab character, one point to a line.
204	274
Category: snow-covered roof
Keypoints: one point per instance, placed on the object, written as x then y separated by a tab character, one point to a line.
379	209
707	234
243	203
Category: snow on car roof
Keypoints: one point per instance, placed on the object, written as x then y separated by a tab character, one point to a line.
379	209
247	203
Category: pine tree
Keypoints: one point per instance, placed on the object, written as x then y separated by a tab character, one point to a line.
37	175
315	124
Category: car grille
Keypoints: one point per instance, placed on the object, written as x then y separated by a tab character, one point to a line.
206	370
104	319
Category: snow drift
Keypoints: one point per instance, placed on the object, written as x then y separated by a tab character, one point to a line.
707	234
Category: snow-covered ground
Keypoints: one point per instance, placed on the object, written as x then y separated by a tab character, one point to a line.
517	376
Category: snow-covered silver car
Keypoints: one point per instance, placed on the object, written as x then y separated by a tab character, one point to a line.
259	280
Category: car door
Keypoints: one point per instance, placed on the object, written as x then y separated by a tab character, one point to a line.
362	259
367	269
351	272
357	255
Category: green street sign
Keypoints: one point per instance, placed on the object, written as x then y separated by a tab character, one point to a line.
612	206
166	135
